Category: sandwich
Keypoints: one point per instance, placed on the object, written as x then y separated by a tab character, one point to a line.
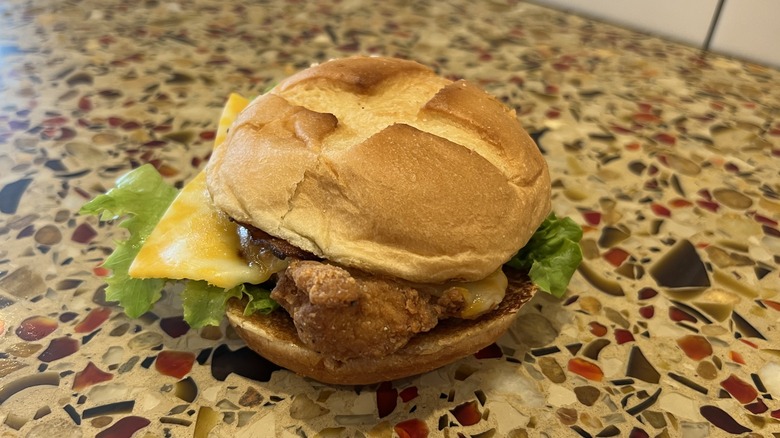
364	220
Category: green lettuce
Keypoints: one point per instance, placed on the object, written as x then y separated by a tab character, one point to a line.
551	255
259	300
205	304
143	197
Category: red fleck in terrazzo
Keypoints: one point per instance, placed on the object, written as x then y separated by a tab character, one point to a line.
36	328
90	375
92	320
174	363
695	347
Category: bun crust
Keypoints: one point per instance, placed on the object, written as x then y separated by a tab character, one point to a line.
275	338
381	165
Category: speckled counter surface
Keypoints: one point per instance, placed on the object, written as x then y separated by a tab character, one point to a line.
668	158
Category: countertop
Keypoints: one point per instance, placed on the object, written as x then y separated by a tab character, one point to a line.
668	157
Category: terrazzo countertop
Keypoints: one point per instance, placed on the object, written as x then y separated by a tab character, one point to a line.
666	156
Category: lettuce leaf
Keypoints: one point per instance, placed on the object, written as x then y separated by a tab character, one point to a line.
259	300
142	196
205	304
551	255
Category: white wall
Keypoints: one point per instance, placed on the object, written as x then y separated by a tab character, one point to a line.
745	29
749	29
686	21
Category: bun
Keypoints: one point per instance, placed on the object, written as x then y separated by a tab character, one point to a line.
275	338
381	165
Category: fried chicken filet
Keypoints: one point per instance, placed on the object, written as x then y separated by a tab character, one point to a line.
329	303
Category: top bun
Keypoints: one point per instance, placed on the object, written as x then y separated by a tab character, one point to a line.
381	165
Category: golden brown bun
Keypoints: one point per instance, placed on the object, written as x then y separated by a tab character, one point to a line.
275	338
381	165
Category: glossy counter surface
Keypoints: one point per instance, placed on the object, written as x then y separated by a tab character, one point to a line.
667	157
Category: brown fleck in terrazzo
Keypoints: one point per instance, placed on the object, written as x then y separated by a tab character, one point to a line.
666	156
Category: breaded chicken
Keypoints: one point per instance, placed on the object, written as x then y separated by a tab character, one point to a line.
345	314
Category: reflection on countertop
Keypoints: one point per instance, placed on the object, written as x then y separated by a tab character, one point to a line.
666	156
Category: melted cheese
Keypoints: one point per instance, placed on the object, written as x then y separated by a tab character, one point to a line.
482	295
194	241
235	104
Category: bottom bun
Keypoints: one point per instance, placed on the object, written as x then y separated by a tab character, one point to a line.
274	337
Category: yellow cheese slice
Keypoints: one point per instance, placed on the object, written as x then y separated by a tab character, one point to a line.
193	240
484	295
234	105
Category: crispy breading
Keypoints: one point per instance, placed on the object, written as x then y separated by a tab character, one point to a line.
346	314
